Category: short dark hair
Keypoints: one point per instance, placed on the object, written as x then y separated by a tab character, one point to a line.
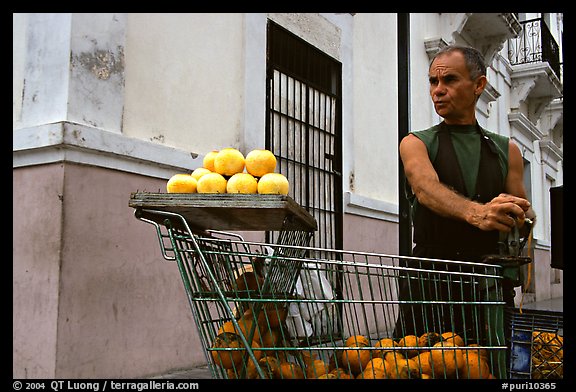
473	58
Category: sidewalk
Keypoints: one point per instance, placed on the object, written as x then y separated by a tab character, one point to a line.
197	373
554	305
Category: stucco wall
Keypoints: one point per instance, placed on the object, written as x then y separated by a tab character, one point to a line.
185	80
108	305
36	228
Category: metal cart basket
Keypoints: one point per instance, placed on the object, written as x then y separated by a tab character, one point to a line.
288	310
536	344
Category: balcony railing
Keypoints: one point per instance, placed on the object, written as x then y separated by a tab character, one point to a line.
535	44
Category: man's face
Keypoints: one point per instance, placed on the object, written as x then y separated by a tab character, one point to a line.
451	89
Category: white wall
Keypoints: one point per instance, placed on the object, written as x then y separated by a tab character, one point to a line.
185	80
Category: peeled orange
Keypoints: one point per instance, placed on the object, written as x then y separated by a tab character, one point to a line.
229	161
273	184
181	183
259	162
208	161
211	183
199	172
242	183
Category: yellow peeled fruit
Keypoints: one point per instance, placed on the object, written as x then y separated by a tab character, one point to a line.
211	183
208	161
229	161
199	172
242	183
181	183
273	184
259	162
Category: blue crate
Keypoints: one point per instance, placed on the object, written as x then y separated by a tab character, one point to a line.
522	349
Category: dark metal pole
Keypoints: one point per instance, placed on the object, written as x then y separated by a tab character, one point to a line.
404	220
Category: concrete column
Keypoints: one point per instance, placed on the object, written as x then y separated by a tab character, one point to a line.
74	70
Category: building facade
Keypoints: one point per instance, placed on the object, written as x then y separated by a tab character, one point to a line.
109	104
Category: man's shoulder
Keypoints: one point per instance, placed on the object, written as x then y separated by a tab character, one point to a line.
495	136
500	140
426	135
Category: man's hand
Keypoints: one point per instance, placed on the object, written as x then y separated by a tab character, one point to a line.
501	213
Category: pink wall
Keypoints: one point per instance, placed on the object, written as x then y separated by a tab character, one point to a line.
370	235
36	228
108	305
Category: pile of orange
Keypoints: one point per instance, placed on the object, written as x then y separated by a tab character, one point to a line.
229	171
431	355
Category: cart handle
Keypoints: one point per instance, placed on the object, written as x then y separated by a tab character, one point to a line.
138	214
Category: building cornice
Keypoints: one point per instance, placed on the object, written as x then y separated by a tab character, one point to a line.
71	142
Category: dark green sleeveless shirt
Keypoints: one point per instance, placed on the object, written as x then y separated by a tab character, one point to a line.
474	162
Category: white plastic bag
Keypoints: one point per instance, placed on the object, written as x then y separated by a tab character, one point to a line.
306	318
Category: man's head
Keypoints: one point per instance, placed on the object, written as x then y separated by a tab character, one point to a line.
457	76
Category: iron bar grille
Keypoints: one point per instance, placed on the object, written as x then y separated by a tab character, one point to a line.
303	128
535	44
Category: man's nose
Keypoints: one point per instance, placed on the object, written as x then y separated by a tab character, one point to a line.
438	89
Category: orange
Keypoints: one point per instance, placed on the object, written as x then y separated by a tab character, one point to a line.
377	363
245	323
272	315
270	366
453	338
259	162
181	183
482	351
229	161
199	172
396	361
228	359
409	341
428	340
211	183
357	341
409	370
208	161
373	374
383	346
327	376
341	374
273	184
423	361
474	366
291	370
248	284
447	361
270	337
242	183
317	368
355	360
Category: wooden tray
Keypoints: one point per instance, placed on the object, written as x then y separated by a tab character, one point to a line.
233	212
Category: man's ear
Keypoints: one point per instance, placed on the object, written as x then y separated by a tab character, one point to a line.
481	82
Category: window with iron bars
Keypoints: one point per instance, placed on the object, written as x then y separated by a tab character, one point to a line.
303	128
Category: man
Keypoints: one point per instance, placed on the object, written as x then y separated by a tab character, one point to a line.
467	185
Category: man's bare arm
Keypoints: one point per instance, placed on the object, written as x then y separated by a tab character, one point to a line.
496	215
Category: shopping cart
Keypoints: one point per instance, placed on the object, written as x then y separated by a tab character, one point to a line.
288	310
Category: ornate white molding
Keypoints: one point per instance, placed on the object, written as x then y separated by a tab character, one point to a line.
534	86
